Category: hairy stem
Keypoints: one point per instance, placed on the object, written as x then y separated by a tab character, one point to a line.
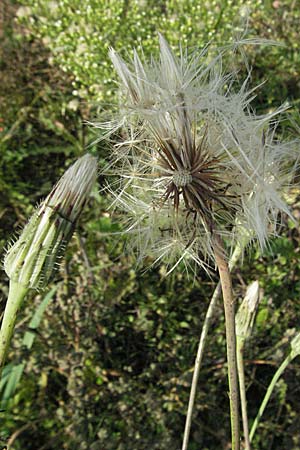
241	374
204	332
16	295
270	389
228	300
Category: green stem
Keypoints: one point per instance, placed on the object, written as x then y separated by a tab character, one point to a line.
270	389
198	361
229	309
204	332
241	374
16	295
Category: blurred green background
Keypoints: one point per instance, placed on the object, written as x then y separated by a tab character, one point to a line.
110	361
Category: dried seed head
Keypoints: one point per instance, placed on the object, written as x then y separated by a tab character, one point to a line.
32	258
193	156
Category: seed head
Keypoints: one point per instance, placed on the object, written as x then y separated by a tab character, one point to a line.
195	154
32	258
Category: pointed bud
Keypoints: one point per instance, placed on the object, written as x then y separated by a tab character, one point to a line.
31	260
244	318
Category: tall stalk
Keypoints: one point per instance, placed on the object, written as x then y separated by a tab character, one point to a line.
198	361
225	279
204	332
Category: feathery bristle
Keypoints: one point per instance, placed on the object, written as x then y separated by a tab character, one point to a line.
193	157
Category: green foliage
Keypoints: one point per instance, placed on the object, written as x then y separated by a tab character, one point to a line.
79	34
111	362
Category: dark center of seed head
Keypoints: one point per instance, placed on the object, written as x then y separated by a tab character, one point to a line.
182	178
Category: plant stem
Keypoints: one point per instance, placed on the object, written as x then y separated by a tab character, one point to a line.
228	300
241	373
270	389
16	295
204	332
198	361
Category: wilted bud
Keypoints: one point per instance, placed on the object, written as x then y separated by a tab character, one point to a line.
31	260
245	316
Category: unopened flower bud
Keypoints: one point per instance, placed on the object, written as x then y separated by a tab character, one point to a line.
245	316
31	260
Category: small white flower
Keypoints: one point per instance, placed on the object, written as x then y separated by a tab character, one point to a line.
31	260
